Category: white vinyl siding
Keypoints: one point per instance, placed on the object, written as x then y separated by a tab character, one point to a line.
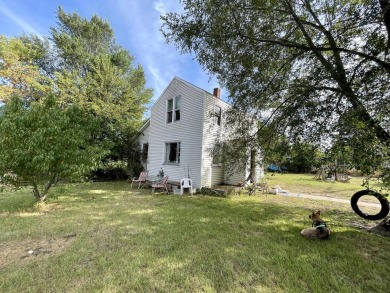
213	135
200	127
189	103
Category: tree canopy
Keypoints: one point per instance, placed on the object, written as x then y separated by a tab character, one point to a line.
18	73
43	143
81	71
96	73
81	64
314	69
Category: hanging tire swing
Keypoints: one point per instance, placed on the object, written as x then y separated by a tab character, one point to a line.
385	208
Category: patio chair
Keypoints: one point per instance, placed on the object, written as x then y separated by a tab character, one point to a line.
186	183
141	179
161	185
263	185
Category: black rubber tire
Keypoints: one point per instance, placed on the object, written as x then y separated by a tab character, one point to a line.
385	208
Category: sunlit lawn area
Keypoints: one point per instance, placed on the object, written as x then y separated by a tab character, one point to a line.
305	183
104	237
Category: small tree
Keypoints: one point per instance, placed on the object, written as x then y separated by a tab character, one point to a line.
42	143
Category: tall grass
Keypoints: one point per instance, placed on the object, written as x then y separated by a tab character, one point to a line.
102	237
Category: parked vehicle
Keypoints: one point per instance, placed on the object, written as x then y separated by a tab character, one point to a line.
273	168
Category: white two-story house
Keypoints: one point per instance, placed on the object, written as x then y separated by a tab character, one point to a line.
183	136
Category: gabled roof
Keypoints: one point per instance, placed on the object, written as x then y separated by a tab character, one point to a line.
147	122
182	80
189	84
141	129
144	126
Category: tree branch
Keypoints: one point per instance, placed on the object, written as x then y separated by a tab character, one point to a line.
385	6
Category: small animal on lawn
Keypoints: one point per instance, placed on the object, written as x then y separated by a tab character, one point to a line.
319	229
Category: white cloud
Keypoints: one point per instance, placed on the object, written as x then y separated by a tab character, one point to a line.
160	7
27	28
161	61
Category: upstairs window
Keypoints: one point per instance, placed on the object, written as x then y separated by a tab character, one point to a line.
172	153
217	115
173	109
170	111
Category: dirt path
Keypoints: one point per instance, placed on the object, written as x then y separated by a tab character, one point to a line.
327	198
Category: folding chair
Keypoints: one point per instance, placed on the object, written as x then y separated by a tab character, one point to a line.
141	179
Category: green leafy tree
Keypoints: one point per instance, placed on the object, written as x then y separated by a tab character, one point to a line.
43	143
303	157
97	74
81	65
306	68
18	73
277	151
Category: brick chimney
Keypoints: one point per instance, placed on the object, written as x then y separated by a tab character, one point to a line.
217	92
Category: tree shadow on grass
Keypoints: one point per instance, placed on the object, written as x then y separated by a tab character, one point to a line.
230	247
169	243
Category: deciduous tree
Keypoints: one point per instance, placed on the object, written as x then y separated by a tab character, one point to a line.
96	73
307	68
43	143
18	73
82	66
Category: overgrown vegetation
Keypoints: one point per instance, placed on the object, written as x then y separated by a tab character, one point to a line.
80	66
108	238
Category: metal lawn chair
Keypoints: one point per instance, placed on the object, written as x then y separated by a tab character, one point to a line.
141	179
161	185
263	185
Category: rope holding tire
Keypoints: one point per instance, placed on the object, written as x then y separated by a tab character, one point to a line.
385	208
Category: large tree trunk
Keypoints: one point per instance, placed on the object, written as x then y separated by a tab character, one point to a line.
337	69
365	117
385	6
37	193
41	196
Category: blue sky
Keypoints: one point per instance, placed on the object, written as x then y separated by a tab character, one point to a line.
136	25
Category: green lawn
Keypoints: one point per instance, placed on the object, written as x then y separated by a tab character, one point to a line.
305	183
102	237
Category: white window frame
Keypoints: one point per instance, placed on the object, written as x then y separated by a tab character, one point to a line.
217	152
144	155
167	146
175	111
217	116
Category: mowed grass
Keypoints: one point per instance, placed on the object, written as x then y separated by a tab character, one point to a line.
104	237
306	184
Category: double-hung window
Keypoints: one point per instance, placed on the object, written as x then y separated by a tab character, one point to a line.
172	153
217	154
144	152
217	115
173	109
